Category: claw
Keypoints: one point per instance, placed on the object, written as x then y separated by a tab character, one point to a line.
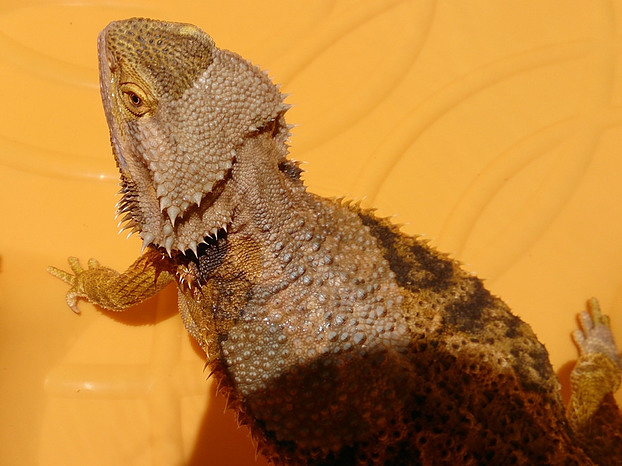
72	302
70	279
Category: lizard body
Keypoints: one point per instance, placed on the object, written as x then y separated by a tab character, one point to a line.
339	339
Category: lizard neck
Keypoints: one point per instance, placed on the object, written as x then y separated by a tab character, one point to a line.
312	253
294	293
267	197
301	290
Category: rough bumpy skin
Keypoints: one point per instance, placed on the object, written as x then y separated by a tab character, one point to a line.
339	339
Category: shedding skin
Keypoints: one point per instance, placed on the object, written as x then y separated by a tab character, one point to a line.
334	336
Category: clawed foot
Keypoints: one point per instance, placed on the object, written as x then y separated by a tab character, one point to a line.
595	335
76	289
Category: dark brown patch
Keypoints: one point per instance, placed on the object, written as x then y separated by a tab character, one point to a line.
467	313
226	275
601	437
291	169
512	325
211	254
416	266
457	410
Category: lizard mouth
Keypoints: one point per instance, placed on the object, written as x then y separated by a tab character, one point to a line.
197	225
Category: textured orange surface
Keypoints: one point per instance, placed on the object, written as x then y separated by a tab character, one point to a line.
494	128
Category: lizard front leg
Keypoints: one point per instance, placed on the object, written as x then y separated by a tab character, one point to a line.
113	290
592	411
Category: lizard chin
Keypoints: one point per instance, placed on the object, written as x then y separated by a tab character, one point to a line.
186	232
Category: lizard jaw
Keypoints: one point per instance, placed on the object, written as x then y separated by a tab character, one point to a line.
186	231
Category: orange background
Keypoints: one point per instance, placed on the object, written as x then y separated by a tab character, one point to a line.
493	128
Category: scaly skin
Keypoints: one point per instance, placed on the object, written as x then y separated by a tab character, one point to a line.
339	339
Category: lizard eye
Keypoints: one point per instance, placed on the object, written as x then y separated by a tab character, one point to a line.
134	99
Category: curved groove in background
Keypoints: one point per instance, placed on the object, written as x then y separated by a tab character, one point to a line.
37	63
60	165
334	29
338	28
525	225
427	113
491	180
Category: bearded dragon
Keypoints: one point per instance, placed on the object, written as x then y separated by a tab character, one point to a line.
338	339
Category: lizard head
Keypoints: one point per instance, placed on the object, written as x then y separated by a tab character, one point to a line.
178	108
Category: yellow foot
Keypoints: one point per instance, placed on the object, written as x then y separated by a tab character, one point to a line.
595	335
